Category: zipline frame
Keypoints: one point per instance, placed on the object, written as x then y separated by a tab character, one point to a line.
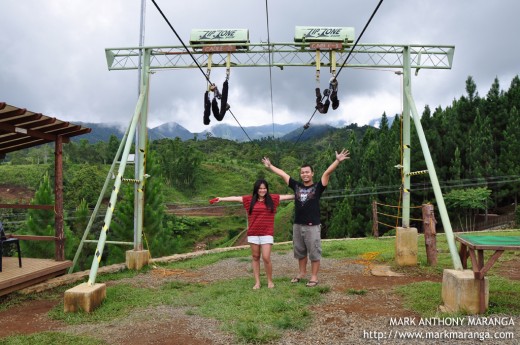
403	58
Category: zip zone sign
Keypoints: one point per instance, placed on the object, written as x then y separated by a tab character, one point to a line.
208	36
323	34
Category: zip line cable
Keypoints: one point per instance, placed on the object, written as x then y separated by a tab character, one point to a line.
193	58
446	185
182	42
359	37
239	124
270	66
342	65
337	194
345	194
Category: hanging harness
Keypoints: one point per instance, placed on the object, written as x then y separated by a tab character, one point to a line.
330	92
218	113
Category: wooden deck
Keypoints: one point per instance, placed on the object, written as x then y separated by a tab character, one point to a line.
33	271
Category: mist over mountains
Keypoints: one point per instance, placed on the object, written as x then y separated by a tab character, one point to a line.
289	132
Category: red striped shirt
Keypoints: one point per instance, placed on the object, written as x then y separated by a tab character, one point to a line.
261	220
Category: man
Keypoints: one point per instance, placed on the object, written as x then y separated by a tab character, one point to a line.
307	226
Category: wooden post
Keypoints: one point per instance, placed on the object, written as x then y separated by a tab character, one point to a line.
59	251
375	227
430	234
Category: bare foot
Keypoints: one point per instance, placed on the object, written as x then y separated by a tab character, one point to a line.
270	285
256	287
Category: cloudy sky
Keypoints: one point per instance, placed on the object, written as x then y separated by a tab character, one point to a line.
53	61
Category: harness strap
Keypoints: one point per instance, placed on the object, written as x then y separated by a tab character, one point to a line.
333	85
207	106
208	71
224	106
228	65
318	67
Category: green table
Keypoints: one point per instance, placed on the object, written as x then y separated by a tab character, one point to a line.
474	246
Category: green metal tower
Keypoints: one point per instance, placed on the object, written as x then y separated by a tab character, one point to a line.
402	58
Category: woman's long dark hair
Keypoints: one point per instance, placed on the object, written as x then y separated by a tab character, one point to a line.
268	200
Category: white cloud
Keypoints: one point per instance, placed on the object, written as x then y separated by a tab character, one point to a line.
53	58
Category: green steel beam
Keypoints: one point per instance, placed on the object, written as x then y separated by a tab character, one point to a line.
115	190
112	242
407	84
285	55
99	201
140	163
457	264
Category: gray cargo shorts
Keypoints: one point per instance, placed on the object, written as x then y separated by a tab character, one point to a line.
307	241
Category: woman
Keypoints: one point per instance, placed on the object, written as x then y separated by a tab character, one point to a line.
261	208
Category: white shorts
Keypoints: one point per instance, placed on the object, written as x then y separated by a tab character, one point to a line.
260	239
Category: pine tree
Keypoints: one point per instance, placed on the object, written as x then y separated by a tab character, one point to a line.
155	236
341	222
481	149
508	161
79	225
40	223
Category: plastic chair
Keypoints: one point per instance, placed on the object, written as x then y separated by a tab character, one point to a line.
4	241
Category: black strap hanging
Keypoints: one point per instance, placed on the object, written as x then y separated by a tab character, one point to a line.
214	102
224	106
333	84
334	94
207	105
207	102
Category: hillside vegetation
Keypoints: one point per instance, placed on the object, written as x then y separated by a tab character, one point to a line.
474	144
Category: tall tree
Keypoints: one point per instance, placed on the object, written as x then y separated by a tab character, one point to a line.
79	225
508	162
481	149
40	223
341	221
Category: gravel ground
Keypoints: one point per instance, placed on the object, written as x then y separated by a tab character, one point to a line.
340	319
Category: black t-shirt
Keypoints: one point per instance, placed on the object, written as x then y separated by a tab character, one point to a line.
307	202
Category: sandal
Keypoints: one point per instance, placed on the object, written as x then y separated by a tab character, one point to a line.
295	280
312	283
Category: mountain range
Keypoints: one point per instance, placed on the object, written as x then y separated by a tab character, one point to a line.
287	132
290	131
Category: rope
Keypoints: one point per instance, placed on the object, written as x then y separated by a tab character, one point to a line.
343	65
192	57
242	128
397	217
147	246
390	226
388	215
378	203
232	240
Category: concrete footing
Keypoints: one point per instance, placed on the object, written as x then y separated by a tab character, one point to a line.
460	292
137	259
84	297
406	246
